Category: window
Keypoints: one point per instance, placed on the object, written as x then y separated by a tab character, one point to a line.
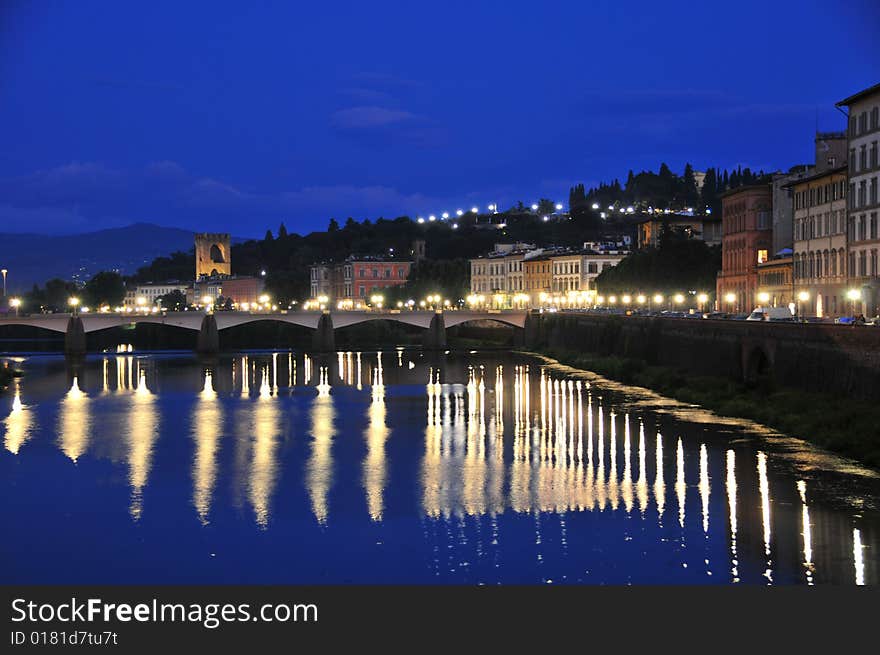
762	256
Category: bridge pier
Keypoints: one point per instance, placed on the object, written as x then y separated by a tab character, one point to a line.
324	339
435	337
208	341
75	337
528	336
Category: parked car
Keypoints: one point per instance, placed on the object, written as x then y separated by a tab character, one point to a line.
770	314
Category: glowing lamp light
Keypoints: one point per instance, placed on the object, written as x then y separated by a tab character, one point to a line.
432	218
15	303
702	298
595	205
420	219
803	296
558	206
534	208
679	298
459	212
730	297
627	299
658	299
854	294
474	210
640	299
207	300
263	299
763	297
73	302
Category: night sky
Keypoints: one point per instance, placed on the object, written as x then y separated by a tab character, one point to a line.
237	116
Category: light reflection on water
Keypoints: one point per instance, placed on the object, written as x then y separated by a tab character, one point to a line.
466	468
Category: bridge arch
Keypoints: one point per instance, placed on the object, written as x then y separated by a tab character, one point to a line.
757	363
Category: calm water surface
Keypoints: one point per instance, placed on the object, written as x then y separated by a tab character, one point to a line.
405	467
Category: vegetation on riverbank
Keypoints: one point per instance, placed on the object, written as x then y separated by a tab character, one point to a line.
840	424
6	375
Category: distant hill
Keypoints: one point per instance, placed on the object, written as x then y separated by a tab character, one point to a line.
35	258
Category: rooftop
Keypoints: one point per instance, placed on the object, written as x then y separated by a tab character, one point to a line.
815	176
858	96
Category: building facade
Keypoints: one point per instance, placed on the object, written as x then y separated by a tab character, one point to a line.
566	272
538	277
775	283
321	281
147	294
704	228
863	200
213	254
820	243
747	226
365	276
594	262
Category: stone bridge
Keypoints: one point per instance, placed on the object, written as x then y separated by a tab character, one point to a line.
208	326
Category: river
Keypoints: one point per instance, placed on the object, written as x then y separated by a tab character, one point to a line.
406	467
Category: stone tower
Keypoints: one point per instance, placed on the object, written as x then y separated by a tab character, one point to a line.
213	254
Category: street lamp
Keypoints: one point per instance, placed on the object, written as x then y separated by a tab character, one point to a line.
730	299
854	295
763	297
15	303
4	272
702	299
803	296
73	302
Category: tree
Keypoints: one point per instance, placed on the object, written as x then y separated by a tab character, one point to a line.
691	195
546	206
104	288
268	236
282	231
56	294
173	300
334	225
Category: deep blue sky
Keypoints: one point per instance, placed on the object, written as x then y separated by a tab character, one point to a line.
236	116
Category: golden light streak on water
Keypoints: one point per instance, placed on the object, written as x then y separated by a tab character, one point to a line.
74	422
626	488
264	466
858	557
731	508
374	467
19	425
764	488
143	433
642	482
806	533
680	484
705	488
319	470
245	377
206	422
659	480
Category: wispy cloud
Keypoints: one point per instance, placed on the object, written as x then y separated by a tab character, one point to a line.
367	117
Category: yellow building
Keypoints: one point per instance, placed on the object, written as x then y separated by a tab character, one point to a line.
538	277
775	287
